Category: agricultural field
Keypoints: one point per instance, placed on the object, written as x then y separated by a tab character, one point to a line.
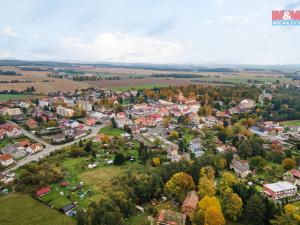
129	78
7	97
39	79
17	209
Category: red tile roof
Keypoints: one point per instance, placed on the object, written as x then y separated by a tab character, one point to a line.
43	191
295	173
5	157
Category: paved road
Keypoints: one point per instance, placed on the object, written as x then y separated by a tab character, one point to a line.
49	148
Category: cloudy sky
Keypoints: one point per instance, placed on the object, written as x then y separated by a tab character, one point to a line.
148	31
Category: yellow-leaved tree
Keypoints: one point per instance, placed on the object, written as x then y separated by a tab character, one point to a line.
179	185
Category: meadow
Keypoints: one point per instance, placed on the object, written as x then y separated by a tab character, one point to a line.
17	209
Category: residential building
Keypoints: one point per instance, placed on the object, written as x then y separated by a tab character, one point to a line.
31	123
63	111
280	190
168	217
10	111
195	147
240	167
6	160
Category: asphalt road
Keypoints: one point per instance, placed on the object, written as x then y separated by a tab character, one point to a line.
49	148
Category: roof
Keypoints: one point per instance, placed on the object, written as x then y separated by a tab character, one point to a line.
68	207
5	157
295	173
191	200
241	165
171	217
43	191
280	186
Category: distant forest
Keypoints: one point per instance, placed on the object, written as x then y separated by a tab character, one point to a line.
9	73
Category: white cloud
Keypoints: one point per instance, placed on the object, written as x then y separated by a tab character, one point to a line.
119	47
229	20
8	31
219	3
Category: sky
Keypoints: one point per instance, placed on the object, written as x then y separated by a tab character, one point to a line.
148	31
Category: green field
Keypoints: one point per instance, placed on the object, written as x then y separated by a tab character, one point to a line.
19	209
291	123
7	97
111	131
136	87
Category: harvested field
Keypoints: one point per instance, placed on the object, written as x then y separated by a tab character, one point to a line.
39	79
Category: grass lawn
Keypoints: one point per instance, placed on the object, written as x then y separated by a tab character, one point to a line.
291	123
111	131
7	97
19	209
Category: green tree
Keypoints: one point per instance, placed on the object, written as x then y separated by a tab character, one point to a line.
119	159
232	204
255	211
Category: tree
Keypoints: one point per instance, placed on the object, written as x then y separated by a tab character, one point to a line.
208	171
107	213
283	219
206	187
203	205
214	216
113	122
125	203
255	211
81	217
257	163
119	159
228	180
88	147
174	135
288	163
232	204
2	120
179	185
155	161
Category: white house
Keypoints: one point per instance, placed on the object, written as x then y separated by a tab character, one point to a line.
6	160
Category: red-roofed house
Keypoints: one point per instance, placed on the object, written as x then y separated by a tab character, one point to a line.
6	160
43	191
34	148
31	123
90	122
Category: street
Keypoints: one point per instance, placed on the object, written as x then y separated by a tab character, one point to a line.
49	148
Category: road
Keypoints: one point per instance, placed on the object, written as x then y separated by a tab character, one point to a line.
49	148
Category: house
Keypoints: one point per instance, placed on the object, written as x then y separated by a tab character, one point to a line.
43	191
79	134
90	122
63	111
6	160
247	104
31	123
293	176
34	148
226	148
195	147
10	111
258	131
11	131
279	190
240	167
168	217
189	205
58	138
